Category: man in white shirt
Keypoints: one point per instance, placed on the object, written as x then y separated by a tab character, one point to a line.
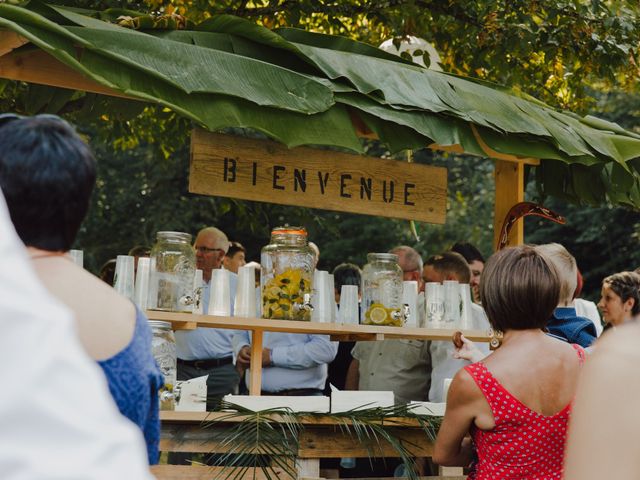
450	266
57	415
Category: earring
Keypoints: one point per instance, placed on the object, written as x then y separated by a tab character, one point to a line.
495	338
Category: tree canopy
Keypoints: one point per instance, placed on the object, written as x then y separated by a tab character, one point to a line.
566	53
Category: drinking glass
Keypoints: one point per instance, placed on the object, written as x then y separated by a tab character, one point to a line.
434	301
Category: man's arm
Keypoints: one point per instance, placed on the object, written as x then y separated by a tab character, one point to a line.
352	382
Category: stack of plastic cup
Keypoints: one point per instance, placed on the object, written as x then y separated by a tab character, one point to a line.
220	297
245	301
123	280
451	303
142	283
348	313
78	257
410	297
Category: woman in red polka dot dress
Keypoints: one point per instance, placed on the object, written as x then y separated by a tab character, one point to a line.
516	402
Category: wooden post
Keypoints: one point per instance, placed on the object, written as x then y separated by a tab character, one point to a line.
255	378
509	177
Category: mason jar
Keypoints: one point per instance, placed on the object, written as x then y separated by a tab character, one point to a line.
163	348
171	272
287	269
382	291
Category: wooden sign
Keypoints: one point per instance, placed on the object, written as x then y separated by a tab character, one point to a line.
266	171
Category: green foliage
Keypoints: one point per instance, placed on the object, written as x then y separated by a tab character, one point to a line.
276	432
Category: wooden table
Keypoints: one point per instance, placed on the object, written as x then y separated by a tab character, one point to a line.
322	437
337	331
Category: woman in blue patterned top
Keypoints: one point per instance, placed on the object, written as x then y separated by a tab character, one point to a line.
47	174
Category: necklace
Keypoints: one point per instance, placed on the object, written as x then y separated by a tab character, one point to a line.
45	255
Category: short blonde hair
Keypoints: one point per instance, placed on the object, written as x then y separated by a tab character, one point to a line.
566	268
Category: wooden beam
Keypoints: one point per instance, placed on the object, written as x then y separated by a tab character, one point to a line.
37	66
491	153
509	181
9	41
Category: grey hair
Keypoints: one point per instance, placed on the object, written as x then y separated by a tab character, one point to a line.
410	258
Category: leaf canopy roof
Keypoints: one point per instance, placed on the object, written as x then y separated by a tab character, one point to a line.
303	88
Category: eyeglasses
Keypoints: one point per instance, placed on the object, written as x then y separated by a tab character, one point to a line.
6	118
205	250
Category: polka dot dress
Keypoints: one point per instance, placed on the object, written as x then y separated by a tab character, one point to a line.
524	444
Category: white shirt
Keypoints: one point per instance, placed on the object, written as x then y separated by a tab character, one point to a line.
443	365
57	417
587	309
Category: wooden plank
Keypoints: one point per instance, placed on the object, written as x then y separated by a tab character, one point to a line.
315	328
315	441
262	170
9	41
509	177
37	66
198	472
255	374
198	418
334	443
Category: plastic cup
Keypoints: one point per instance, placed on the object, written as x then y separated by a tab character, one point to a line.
123	280
348	313
451	302
410	297
331	297
245	302
78	257
220	297
321	312
466	314
142	283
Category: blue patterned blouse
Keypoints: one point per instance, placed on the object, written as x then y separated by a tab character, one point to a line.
134	379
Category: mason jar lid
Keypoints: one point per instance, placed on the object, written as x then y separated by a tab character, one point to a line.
289	231
159	324
385	257
178	236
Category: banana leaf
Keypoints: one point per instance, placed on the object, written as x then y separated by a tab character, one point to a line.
302	88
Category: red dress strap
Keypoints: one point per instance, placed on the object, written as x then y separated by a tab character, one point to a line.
580	351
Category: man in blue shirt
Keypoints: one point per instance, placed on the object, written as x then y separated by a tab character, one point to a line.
209	351
565	323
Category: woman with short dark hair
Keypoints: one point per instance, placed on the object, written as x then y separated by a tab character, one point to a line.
515	403
47	174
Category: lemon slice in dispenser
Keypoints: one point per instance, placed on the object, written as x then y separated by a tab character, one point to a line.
377	314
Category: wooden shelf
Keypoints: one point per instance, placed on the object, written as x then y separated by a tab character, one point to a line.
338	331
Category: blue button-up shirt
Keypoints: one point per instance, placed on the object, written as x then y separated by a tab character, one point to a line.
299	360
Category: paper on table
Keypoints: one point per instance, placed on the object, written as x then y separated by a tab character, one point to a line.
428	408
346	400
192	395
316	404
